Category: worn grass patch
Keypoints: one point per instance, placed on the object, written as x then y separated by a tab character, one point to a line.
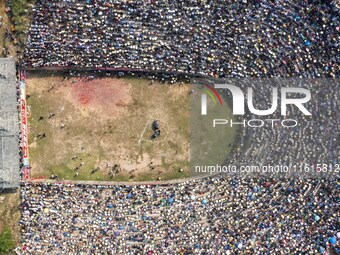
210	146
101	125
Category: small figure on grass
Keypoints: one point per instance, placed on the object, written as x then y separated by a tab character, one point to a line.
156	134
41	135
155	125
156	130
94	170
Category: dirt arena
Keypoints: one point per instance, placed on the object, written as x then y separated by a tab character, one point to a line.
100	129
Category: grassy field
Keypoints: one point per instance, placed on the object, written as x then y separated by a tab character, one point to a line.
209	145
6	241
9	218
103	125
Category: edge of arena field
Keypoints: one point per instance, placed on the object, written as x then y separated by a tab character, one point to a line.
117	69
118	183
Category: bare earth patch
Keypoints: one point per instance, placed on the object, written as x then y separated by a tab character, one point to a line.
97	95
100	129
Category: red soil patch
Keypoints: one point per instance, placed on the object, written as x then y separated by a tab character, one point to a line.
99	91
108	95
84	92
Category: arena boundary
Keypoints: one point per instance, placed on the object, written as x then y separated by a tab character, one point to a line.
25	171
114	69
117	183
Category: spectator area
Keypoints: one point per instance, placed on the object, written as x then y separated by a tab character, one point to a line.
215	38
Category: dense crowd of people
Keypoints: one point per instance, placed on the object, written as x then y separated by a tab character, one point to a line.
313	140
206	37
214	215
209	216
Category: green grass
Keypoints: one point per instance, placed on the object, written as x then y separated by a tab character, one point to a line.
19	11
210	145
20	17
6	241
175	173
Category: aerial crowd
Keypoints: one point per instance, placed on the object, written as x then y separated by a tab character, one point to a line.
214	215
209	216
212	37
304	141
